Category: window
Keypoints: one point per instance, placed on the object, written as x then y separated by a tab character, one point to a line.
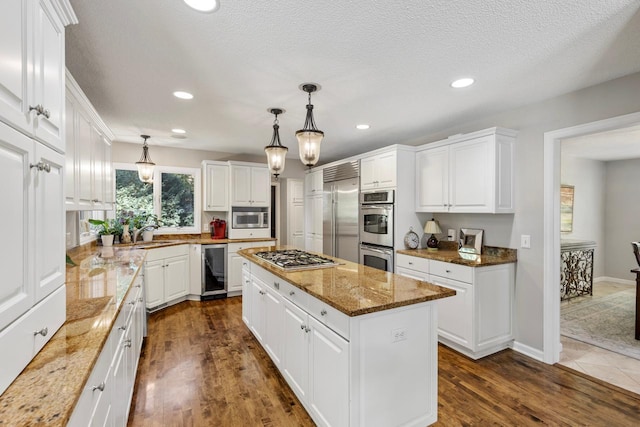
173	197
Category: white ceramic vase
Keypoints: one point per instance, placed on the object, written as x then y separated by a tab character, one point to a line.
107	239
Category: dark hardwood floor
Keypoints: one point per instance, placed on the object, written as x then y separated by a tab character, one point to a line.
202	367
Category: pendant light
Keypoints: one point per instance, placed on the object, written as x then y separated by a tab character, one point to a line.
309	138
145	165
276	152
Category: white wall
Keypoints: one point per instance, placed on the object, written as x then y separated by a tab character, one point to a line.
610	99
588	178
622	217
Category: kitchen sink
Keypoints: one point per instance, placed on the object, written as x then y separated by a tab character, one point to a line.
155	243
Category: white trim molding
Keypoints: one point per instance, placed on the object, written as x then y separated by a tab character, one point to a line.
533	353
551	257
614	280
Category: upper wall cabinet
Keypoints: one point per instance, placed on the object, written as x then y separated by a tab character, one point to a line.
378	171
313	183
471	173
216	185
89	173
250	184
32	69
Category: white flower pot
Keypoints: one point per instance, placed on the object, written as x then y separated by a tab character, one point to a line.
107	239
147	235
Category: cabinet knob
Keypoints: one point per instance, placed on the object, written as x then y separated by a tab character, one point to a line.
40	110
291	293
276	285
41	166
139	299
262	292
127	343
302	327
44	331
98	387
132	302
95	200
448	271
122	328
410	262
323	312
307	329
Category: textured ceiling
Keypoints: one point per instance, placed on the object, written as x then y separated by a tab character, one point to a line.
385	63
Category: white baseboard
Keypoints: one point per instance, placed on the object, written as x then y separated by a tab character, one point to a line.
614	280
533	353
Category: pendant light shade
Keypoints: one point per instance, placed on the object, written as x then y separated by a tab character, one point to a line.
276	152
309	138
145	165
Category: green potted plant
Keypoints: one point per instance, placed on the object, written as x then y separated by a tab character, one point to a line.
145	223
107	229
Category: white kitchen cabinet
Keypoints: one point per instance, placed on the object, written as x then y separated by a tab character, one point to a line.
471	173
166	276
216	186
313	225
295	213
267	318
32	74
313	183
250	184
246	295
106	397
478	320
378	171
235	264
332	362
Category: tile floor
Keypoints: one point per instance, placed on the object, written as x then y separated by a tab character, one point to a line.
605	365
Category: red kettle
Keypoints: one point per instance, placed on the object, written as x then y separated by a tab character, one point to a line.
218	228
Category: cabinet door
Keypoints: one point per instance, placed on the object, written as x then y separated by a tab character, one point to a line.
48	90
413	274
97	169
432	180
297	191
83	159
274	317
257	308
240	185
260	187
109	196
50	221
175	277
234	280
14	67
246	298
154	282
368	173
295	354
119	382
471	176
296	226
455	313
16	292
216	188
329	376
385	169
71	171
317	215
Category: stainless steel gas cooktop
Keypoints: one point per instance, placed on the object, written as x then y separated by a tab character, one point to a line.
294	259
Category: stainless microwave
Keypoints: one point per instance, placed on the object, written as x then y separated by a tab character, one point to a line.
249	218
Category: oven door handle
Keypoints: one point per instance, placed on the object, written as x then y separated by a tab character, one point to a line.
380	251
372	207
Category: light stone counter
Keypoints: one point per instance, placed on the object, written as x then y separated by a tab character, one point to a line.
354	289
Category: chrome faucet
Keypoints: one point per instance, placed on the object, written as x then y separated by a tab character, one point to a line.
137	232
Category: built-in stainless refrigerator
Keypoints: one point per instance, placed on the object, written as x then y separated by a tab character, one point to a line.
340	211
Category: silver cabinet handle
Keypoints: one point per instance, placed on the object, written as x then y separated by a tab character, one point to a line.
44	331
307	329
262	292
448	271
95	200
122	328
410	262
40	110
42	166
276	285
302	327
132	302
323	312
292	293
98	387
139	299
127	343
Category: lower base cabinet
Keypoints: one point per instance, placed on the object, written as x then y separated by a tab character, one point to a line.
167	276
346	371
106	397
235	284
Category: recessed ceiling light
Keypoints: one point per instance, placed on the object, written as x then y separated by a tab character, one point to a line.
178	130
460	83
203	5
182	95
363	127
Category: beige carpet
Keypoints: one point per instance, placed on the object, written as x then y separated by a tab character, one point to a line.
607	322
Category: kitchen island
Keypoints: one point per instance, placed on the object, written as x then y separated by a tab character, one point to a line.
357	345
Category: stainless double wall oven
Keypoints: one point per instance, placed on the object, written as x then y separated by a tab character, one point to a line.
376	229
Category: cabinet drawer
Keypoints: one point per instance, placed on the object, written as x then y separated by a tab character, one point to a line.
334	319
412	262
458	272
20	337
235	247
295	295
167	252
130	302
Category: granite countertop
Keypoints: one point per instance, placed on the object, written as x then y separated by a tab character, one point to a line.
354	289
490	256
182	239
46	391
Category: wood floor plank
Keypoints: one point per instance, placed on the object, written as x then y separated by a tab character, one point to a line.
201	366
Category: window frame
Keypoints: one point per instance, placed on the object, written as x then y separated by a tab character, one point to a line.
157	194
